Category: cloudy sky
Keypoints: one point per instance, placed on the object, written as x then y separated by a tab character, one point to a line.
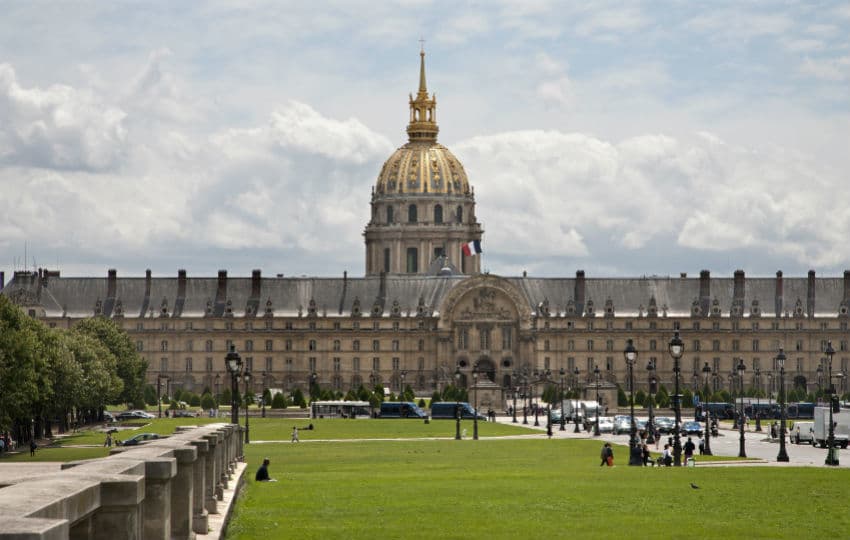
628	139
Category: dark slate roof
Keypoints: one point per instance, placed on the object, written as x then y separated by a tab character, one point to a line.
77	296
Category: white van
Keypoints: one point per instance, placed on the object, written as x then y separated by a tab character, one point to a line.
802	433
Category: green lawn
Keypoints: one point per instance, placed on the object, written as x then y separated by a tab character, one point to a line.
533	488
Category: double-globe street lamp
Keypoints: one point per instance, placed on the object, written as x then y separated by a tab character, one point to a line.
742	452
706	369
832	452
548	384
233	362
475	400
757	372
514	381
264	374
780	363
578	393
217	395
562	372
676	348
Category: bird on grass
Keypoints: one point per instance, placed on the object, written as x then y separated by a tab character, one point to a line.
694	486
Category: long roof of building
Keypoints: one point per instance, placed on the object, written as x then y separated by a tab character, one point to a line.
402	295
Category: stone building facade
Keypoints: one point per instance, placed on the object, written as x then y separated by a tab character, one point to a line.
424	312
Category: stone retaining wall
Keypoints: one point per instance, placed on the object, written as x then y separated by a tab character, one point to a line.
160	490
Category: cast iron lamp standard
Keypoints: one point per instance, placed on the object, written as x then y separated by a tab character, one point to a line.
780	362
596	427
578	390
653	382
264	394
159	379
630	354
742	452
514	380
401	375
547	374
475	399
233	362
562	372
535	402
757	372
706	369
525	398
832	452
247	378
676	348
457	403
217	395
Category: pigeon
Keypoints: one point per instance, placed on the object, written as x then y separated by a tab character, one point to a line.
694	486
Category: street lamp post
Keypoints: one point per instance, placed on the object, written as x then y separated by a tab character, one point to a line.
525	398
562	372
217	395
677	348
233	362
475	399
264	394
707	447
535	403
514	381
758	398
457	403
547	374
402	375
596	427
650	425
741	368
159	379
630	354
578	389
780	361
832	452
247	378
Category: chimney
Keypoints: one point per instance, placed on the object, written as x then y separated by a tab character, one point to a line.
738	292
255	283
846	284
181	284
579	291
780	293
704	292
111	282
810	295
221	293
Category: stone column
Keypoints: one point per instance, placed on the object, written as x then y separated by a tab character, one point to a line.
200	519
121	513
212	481
157	506
182	492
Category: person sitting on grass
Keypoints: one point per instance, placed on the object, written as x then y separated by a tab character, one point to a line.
263	472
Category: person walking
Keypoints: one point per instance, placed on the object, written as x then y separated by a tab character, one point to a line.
607	455
33	447
689	449
295	434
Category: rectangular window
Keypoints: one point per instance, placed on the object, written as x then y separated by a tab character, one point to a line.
287	345
163	364
546	362
395	345
412	260
628	325
421	365
696	345
677	325
249	363
695	326
189	345
546	345
609	345
571	364
653	345
589	344
462	339
337	326
755	326
188	364
311	364
653	325
355	364
736	345
269	345
799	345
269	324
355	345
228	344
376	364
376	345
715	345
163	346
337	345
337	364
249	345
209	364
208	346
387	260
421	345
609	363
288	325
140	346
484	335
269	364
311	345
755	345
396	363
507	338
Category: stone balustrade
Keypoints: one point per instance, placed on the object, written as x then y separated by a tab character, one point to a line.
160	490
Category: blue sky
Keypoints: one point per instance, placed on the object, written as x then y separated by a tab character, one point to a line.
619	138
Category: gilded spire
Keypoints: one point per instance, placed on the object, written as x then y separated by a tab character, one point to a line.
423	109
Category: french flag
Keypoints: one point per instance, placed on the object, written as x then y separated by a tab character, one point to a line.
472	248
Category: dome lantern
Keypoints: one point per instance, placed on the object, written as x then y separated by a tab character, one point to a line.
423	110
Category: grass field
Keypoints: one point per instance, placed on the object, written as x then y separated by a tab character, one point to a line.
512	488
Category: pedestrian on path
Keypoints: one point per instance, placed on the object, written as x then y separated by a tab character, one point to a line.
607	455
295	434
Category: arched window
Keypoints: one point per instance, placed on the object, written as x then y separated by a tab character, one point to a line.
389	215
459	214
438	214
411	214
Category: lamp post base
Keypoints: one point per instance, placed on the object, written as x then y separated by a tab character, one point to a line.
832	457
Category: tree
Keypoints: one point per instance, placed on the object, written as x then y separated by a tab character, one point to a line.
641	398
207	401
150	395
622	400
226	397
421	403
687	398
662	397
18	359
550	394
279	401
298	398
130	367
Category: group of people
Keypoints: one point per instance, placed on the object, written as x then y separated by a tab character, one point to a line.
642	453
6	443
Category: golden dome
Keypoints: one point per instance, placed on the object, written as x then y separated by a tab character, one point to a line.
419	167
422	165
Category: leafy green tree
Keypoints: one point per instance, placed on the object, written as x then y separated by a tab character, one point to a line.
421	403
226	397
195	400
130	366
150	395
550	394
18	359
101	383
279	401
207	401
687	398
298	398
436	396
641	398
663	397
622	399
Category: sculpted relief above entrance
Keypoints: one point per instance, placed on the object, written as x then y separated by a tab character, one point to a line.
485	303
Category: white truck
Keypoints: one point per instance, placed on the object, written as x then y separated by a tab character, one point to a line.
841	428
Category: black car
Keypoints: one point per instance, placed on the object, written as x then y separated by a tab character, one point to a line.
139	439
692	428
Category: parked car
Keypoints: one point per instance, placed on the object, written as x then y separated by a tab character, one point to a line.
803	432
108	416
140	438
183	413
665	424
692	428
606	424
622	424
133	415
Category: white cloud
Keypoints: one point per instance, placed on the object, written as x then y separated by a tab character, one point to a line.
830	69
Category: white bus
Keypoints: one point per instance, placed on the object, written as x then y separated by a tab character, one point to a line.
339	409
